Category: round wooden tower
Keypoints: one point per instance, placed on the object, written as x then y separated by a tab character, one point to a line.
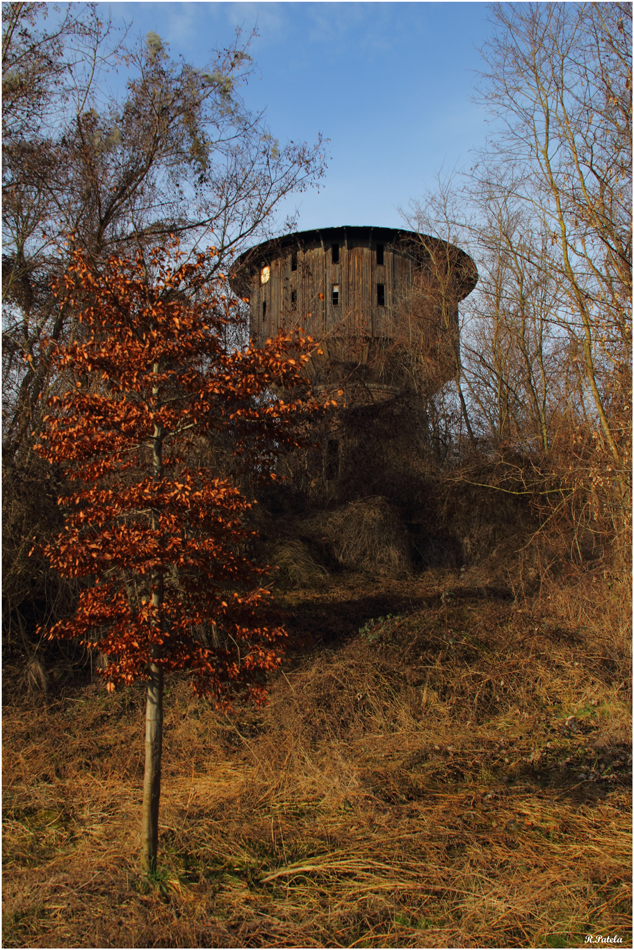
381	302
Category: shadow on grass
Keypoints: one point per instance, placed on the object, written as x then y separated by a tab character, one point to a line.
333	616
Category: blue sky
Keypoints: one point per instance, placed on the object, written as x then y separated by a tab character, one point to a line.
390	84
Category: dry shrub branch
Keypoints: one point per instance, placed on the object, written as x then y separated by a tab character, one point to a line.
363	535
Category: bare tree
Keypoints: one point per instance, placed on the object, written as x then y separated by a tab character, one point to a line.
179	153
512	353
545	212
559	83
438	220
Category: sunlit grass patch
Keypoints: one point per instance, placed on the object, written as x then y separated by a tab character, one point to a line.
393	793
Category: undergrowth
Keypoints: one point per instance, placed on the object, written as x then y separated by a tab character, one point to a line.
439	766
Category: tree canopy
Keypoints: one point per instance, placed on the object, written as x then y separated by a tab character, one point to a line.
177	153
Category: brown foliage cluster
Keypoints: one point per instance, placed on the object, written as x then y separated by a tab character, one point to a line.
158	540
176	150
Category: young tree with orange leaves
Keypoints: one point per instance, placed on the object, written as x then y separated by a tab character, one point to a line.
159	541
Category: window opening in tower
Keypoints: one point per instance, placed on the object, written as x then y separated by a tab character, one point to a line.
380	295
335	295
335	253
380	260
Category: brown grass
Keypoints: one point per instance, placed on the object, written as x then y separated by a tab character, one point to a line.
296	565
364	535
455	774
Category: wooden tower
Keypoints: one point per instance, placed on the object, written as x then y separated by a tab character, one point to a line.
383	305
381	302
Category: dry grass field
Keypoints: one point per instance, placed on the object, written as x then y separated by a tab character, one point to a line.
440	765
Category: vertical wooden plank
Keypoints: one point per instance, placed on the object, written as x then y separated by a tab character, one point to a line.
367	276
353	301
299	285
385	275
367	323
273	286
323	289
286	319
305	288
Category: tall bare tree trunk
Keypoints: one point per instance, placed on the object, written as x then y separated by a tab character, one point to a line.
152	779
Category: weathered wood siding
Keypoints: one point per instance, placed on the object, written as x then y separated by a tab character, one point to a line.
284	296
357	274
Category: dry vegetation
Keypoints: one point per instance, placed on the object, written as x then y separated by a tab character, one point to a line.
436	768
446	757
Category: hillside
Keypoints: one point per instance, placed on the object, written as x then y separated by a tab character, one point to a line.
440	764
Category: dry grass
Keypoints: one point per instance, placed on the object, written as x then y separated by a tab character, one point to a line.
455	774
296	565
364	535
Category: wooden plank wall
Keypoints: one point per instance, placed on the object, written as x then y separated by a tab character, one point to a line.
357	274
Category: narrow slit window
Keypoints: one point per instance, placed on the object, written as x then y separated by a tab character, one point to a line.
335	253
380	295
293	300
263	311
335	295
380	258
294	260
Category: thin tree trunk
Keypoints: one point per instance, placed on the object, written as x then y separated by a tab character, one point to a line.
154	707
152	779
465	412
